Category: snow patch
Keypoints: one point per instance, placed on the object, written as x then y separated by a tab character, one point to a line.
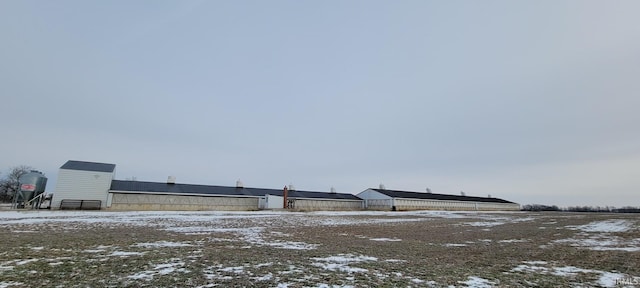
341	263
513	241
602	242
484	224
385	239
161	269
9	284
161	244
23	262
605	279
455	245
125	253
395	260
607	226
477	282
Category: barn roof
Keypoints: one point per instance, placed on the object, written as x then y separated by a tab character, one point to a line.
178	188
435	196
88	166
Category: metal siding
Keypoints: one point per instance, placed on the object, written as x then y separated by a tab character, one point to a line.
372	194
423	204
327	205
130	201
375	200
81	185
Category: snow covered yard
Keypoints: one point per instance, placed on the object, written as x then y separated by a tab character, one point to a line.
320	249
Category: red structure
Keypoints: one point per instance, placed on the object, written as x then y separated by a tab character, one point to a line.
284	196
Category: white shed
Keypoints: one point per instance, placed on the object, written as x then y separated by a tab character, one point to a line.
83	185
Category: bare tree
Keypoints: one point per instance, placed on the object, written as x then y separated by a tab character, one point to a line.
10	185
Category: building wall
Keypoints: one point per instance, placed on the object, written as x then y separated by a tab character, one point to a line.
273	202
81	185
307	204
372	194
379	204
427	204
374	200
143	201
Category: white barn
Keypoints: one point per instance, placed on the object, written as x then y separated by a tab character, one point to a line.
83	185
383	199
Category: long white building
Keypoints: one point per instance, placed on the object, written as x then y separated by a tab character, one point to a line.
383	199
91	185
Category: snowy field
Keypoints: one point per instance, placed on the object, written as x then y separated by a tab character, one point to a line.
321	249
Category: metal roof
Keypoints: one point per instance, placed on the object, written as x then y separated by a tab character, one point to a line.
88	166
161	187
435	196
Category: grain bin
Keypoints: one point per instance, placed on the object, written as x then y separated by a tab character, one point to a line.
32	184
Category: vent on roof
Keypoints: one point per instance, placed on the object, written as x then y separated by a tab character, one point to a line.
333	190
428	190
291	187
239	184
382	187
171	180
462	193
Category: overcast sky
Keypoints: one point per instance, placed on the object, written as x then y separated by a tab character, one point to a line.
529	101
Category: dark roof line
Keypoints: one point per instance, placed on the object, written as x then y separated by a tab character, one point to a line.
88	166
435	196
161	187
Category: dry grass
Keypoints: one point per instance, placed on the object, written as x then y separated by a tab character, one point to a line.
429	251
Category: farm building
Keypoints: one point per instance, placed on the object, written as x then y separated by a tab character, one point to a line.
83	185
89	185
136	195
383	199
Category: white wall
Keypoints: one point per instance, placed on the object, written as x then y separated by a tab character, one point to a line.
317	204
274	202
372	194
81	185
168	202
375	200
428	204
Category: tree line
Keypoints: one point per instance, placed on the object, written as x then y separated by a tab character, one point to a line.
9	183
600	209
